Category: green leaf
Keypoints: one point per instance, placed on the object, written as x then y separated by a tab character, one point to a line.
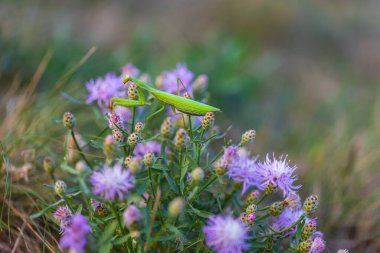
105	248
200	213
121	240
171	182
108	232
43	211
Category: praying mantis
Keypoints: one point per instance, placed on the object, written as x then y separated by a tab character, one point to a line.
185	105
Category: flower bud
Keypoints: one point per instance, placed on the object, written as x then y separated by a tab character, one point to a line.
99	208
49	164
248	137
132	216
117	135
159	80
69	120
308	230
304	247
208	120
310	204
133	139
139	127
81	166
250	218
197	175
251	208
148	159
167	128
134	165
220	166
109	148
276	208
175	207
128	160
252	197
132	91
114	121
270	188
200	83
292	201
180	139
60	188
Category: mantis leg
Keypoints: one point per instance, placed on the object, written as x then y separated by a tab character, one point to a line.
128	102
155	113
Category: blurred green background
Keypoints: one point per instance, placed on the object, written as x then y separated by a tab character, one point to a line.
304	74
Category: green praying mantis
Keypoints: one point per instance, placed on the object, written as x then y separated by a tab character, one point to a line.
177	102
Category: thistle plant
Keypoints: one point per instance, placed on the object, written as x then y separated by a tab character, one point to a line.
159	187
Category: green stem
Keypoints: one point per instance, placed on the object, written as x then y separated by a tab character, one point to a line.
200	147
261	199
133	119
79	149
118	218
190	128
151	182
213	179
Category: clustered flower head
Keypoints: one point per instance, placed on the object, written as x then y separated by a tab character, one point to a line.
224	234
112	183
74	236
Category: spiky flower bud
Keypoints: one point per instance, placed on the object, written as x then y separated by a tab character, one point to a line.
175	207
276	208
133	139
139	127
109	148
249	218
118	135
251	208
132	91
187	95
167	128
220	166
208	120
81	166
304	247
49	164
60	188
252	197
127	161
180	139
69	120
248	137
197	175
308	229
310	204
134	165
270	188
148	159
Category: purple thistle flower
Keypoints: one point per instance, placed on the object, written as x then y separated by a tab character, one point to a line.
241	169
224	234
74	237
130	70
150	146
131	215
287	218
318	245
169	79
103	89
112	182
63	215
279	173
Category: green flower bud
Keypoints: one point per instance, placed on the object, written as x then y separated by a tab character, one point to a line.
139	127
304	247
251	208
248	137
134	165
276	208
197	175
148	159
180	139
128	160
308	230
81	166
117	135
109	148
249	218
133	139
175	207
252	197
132	91
310	204
69	120
49	164
208	120
60	188
167	128
220	166
270	188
